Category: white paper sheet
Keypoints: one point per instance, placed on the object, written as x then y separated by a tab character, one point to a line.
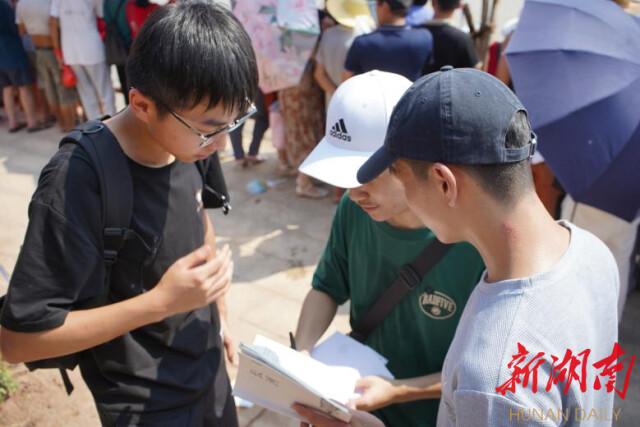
340	350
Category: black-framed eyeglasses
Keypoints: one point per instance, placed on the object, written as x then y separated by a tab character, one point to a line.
207	139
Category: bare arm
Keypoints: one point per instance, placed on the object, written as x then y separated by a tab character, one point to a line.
221	302
190	283
54	28
346	75
210	239
378	392
323	79
22	30
419	388
81	330
318	310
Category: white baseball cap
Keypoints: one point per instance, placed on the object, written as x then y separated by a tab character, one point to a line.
357	122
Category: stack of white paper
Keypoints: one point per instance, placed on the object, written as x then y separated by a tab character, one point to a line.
275	376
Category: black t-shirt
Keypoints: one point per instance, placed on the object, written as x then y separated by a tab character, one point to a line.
152	370
451	46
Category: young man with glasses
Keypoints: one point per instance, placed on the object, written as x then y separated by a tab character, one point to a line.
155	353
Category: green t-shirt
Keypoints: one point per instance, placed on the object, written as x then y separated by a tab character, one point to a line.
359	263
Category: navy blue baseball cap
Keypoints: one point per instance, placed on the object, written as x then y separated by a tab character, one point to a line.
458	116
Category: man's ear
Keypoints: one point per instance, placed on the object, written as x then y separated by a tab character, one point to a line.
446	182
142	106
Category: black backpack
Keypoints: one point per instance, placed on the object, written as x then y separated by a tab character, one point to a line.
114	48
116	189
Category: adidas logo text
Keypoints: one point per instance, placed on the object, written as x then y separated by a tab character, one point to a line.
339	131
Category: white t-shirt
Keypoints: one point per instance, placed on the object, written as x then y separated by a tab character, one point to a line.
572	306
34	15
81	42
332	52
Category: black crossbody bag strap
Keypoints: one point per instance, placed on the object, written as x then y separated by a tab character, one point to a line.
407	279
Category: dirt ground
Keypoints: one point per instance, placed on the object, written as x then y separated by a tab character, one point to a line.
41	395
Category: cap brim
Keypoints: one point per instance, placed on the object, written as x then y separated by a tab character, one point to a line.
375	165
333	165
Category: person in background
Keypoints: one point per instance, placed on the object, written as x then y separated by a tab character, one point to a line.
43	113
302	109
137	12
15	73
260	126
336	41
394	46
419	13
32	17
451	46
77	42
115	13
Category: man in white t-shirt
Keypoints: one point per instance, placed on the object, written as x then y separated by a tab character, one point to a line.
537	339
75	33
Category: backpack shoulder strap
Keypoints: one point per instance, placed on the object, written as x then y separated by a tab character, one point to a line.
114	179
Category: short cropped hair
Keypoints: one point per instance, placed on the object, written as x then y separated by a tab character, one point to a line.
448	5
505	182
397	8
191	52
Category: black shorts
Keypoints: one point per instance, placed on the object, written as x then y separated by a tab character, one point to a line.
16	78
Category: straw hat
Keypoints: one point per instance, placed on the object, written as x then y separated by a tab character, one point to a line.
346	11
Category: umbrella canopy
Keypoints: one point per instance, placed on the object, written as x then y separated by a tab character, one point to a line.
284	34
575	65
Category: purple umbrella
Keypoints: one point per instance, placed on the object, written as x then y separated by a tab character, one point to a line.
575	65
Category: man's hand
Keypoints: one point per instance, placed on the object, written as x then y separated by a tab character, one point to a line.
192	282
229	343
358	418
377	392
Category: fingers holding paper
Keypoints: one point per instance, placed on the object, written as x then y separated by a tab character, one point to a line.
375	393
